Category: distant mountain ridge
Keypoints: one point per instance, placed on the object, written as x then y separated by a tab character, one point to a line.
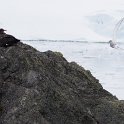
103	23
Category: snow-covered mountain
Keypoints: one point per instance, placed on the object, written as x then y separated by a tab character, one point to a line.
103	23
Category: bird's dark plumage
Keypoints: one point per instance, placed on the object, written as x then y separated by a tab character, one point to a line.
7	40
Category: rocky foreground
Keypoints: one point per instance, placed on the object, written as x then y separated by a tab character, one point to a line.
44	88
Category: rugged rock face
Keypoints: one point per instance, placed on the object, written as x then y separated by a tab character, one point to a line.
43	88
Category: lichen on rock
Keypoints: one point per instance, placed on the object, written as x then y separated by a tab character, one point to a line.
44	88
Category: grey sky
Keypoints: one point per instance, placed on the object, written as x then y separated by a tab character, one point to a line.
52	19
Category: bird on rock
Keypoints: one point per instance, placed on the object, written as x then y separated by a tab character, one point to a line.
7	40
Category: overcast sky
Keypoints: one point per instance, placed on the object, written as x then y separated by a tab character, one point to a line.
51	19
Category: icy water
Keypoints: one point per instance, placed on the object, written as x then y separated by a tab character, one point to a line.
105	63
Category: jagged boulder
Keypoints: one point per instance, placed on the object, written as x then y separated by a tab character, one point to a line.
44	88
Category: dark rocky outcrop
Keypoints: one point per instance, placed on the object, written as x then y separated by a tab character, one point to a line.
7	40
43	88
